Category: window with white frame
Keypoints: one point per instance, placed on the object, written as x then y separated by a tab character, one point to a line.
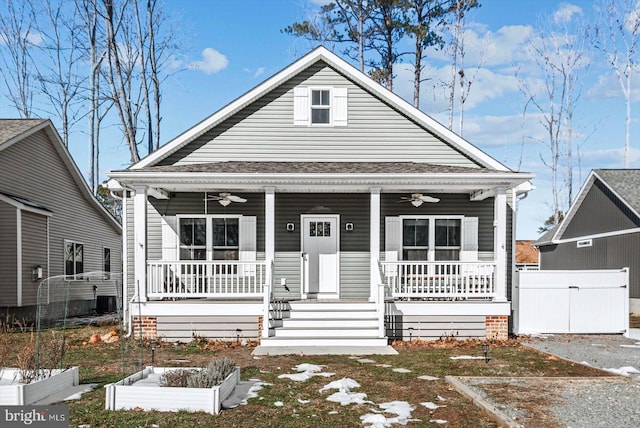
320	106
106	259
431	238
73	258
209	238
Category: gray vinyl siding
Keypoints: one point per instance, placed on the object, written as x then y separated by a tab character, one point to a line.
8	253
264	131
286	266
33	169
34	253
185	328
600	212
432	327
613	252
450	204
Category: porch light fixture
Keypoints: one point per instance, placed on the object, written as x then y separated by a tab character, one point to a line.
238	331
410	333
153	352
348	227
291	227
36	273
485	351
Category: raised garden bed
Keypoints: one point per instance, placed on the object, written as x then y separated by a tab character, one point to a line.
142	390
15	393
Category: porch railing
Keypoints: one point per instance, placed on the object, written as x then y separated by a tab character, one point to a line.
439	280
184	279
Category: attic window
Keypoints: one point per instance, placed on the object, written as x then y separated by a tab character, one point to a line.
584	243
320	106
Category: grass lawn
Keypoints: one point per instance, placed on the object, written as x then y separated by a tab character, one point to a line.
103	363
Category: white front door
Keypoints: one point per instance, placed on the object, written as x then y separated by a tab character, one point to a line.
320	256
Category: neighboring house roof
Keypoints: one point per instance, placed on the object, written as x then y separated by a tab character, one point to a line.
13	131
526	252
624	184
328	57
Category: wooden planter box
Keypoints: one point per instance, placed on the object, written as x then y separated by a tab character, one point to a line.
140	391
14	393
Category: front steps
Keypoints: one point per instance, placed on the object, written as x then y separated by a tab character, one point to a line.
327	327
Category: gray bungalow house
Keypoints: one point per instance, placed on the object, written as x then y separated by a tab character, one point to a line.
319	208
601	229
50	224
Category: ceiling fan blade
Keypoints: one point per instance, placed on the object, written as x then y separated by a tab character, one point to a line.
425	198
234	198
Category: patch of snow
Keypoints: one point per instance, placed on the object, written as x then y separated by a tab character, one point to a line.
401	370
466	357
365	361
427	377
386	366
257	358
402	409
301	401
441	398
307	372
333	412
585	363
438	421
344	384
431	406
354	357
624	371
278	404
636	346
253	391
346	397
599	345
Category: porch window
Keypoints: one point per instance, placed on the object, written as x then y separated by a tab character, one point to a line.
73	258
447	242
209	238
431	238
320	106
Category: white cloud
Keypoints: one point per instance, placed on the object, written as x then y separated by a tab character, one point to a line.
565	13
212	62
608	86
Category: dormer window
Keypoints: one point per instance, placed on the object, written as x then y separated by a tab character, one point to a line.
320	106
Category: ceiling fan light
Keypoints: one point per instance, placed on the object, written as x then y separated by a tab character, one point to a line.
224	202
416	202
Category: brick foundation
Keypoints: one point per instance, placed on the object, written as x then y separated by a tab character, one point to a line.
148	328
497	327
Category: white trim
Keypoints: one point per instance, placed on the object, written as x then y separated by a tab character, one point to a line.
323	54
209	231
125	260
374	240
19	257
140	241
597	235
198	308
269	226
454	308
24	207
431	250
321	107
500	244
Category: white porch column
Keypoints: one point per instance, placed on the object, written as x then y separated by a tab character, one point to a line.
140	241
269	252
374	240
500	243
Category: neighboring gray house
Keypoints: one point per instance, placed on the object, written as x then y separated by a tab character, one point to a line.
50	223
601	229
319	208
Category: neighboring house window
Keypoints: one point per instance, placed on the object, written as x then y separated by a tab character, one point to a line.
106	259
209	238
73	258
426	238
320	106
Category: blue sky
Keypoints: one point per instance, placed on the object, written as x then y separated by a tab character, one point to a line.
232	46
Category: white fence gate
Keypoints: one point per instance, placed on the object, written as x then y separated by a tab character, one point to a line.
571	301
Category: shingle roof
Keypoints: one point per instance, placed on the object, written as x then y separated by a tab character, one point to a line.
625	182
10	128
240	167
25	201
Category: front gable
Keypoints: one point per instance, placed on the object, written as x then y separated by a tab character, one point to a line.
600	211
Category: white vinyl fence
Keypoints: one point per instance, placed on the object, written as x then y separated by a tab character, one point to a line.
571	301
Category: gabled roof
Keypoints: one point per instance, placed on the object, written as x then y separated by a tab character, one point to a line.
624	184
316	55
14	131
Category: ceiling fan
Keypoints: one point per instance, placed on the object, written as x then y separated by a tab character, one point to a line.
224	198
418	199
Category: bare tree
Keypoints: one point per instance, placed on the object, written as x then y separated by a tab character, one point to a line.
618	37
386	30
58	73
17	38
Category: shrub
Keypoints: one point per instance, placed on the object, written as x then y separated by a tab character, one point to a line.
215	372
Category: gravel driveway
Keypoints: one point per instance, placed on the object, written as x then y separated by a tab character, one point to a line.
575	403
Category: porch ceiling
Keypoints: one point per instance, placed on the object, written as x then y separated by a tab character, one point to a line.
339	177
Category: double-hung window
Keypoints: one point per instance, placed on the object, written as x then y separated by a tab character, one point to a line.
73	258
209	238
320	106
428	238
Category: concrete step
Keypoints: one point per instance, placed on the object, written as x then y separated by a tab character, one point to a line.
342	305
319	342
332	314
327	332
